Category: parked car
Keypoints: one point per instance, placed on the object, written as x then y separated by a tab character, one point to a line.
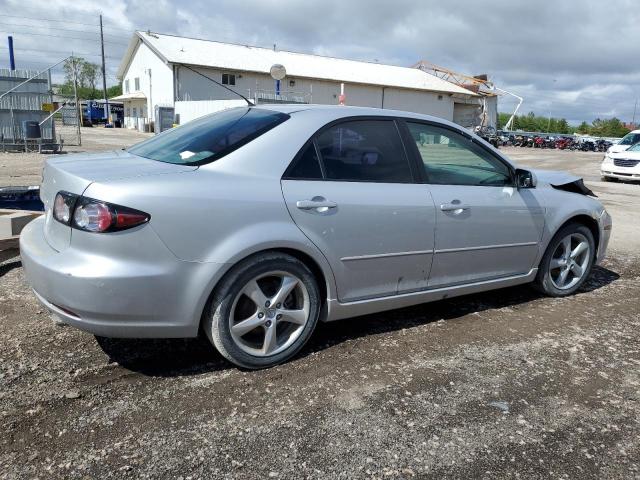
629	139
253	224
488	134
623	165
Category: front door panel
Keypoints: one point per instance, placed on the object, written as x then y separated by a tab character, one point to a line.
494	233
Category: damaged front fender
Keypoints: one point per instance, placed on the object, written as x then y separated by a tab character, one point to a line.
563	181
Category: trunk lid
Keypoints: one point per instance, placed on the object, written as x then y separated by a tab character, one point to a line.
74	173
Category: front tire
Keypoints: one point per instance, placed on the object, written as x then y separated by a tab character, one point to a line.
567	262
264	310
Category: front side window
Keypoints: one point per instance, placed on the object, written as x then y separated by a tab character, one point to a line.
364	151
209	138
451	159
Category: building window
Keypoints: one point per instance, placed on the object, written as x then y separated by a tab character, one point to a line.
128	112
126	86
136	82
228	79
135	112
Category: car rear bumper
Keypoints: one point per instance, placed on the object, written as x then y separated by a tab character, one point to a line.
112	294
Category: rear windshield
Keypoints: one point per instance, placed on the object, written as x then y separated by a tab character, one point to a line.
209	138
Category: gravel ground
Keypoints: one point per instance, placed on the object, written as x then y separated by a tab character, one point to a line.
495	385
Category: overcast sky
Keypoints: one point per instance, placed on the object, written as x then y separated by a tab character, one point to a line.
573	59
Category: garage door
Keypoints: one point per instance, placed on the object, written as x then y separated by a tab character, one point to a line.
466	115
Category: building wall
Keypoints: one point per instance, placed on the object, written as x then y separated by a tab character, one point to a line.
191	109
156	82
192	86
24	103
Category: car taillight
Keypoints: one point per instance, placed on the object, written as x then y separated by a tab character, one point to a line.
93	215
63	206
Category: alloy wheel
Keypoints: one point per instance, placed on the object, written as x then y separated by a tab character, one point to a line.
269	313
570	260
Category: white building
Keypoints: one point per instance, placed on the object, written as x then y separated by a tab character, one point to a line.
166	70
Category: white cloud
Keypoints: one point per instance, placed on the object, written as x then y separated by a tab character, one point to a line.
573	59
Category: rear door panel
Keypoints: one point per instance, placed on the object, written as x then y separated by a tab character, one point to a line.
378	239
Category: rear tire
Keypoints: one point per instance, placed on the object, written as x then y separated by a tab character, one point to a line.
567	262
263	311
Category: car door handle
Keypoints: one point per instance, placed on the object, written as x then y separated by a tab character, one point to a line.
315	204
452	207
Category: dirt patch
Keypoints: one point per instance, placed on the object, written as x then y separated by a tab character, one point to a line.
499	384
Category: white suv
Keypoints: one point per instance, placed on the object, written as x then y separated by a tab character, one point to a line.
622	165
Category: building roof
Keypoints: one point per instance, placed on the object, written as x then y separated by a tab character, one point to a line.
207	53
129	96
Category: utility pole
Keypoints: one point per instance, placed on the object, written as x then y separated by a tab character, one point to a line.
104	74
633	122
75	95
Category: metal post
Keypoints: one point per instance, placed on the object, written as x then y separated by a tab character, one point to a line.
75	94
53	121
104	75
12	61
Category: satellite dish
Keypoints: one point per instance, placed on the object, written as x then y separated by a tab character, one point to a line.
278	72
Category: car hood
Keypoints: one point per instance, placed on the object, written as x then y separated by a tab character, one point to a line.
633	155
617	148
562	181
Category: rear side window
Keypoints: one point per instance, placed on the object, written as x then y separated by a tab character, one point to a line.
209	138
364	151
307	166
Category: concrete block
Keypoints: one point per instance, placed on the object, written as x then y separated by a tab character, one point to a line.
11	224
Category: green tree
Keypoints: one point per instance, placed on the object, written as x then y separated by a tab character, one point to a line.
87	75
114	90
583	128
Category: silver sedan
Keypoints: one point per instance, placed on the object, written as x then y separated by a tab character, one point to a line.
253	224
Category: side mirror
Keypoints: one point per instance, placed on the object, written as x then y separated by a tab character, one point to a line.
525	179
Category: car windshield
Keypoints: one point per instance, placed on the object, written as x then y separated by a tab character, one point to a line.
209	138
634	148
630	139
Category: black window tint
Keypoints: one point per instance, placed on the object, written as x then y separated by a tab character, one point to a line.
451	159
209	138
364	150
307	166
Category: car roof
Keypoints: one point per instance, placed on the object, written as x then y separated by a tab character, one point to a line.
337	112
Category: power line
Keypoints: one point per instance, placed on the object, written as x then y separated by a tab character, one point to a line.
20	50
63	21
63	36
66	54
56	28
